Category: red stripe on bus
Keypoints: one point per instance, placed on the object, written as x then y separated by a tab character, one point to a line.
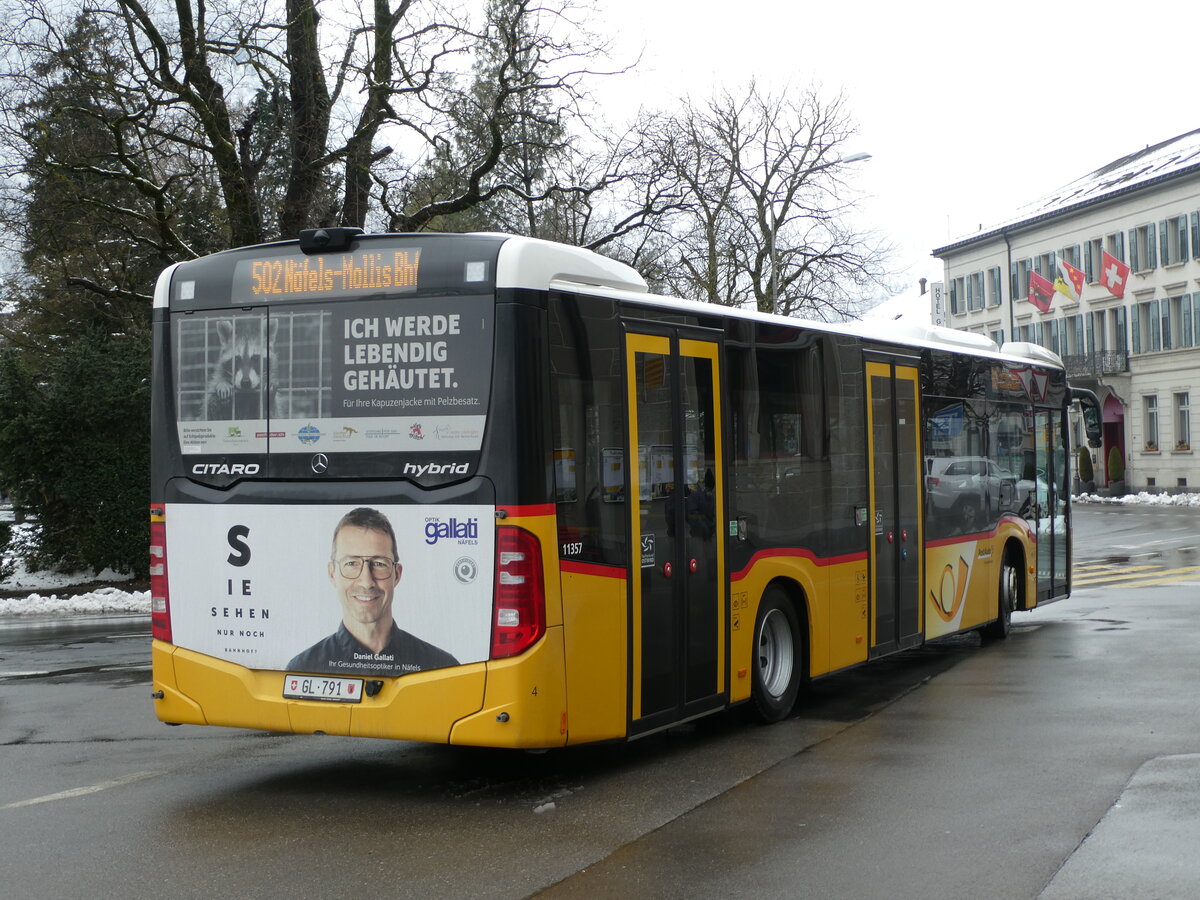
961	539
797	552
983	535
539	509
583	568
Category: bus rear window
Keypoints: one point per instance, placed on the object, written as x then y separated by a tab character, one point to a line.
390	375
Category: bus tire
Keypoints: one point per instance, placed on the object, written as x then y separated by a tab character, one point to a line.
1007	599
778	657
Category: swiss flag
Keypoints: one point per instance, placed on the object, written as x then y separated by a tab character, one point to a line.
1114	274
1041	292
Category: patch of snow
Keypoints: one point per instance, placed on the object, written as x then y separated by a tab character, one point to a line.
99	602
44	598
909	306
1143	499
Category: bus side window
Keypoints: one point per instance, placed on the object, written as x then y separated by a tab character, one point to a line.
588	430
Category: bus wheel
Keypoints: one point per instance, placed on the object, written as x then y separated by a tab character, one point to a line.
1009	574
778	657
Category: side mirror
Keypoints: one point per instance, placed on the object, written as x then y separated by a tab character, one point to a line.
1089	404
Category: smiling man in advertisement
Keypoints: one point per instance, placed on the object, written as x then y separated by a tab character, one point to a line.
364	571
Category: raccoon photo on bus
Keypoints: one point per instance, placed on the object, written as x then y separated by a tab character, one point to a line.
246	366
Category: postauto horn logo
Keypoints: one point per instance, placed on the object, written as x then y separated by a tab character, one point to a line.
465	531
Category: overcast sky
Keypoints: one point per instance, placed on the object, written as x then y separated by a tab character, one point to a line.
969	110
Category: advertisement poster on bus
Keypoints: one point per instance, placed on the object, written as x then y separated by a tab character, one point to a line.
366	590
351	376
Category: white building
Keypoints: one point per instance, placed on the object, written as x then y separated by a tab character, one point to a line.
1140	352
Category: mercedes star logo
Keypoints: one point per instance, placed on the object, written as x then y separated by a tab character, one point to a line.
320	462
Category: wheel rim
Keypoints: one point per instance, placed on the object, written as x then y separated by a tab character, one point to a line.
1008	588
776	653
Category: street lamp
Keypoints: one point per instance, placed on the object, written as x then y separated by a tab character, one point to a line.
820	167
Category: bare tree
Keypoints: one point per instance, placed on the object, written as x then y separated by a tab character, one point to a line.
297	114
769	213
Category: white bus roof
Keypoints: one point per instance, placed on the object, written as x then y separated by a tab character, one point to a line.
531	263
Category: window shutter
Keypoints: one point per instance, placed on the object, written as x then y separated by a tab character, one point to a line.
1133	250
1196	235
1181	242
1164	247
1087	263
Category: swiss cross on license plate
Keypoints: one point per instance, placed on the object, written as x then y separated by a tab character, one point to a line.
319	687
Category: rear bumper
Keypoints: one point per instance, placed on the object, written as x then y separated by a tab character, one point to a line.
519	702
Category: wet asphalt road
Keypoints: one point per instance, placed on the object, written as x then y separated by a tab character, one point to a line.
962	769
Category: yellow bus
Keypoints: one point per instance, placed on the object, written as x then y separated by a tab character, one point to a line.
487	490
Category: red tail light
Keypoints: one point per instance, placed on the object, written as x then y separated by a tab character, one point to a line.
160	604
519	610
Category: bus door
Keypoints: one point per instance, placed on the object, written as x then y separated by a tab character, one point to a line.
1050	483
676	489
894	468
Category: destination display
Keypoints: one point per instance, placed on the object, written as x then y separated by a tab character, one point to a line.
332	275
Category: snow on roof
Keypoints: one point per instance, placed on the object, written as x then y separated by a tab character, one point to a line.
1158	161
910	306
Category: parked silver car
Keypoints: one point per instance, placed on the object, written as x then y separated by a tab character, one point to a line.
962	488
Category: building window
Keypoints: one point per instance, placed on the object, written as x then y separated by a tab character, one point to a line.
1173	240
998	336
1166	324
1056	336
1070	254
1020	278
1091	260
975	291
1186	330
1115	245
1183	422
1121	343
1147	327
1196	235
1047	266
1150	405
994	294
957	297
1142	245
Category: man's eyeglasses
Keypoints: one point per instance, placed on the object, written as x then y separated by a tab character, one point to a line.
380	567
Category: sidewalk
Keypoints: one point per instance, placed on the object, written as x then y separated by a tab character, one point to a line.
1148	845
